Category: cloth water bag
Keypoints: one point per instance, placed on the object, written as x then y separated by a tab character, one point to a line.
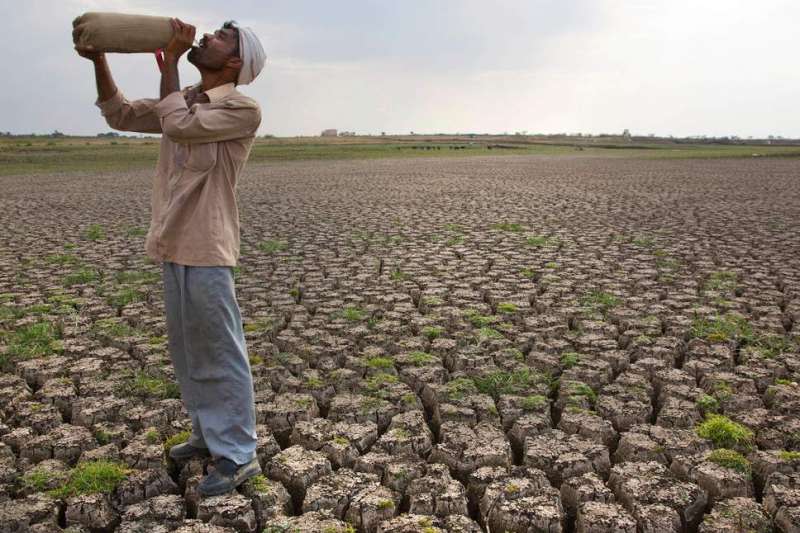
118	32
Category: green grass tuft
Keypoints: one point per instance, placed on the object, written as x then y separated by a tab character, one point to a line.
92	477
272	246
34	340
725	433
730	459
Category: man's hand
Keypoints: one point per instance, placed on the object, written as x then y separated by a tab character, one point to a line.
182	39
85	51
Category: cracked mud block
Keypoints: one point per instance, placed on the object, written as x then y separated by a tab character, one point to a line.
563	456
144	484
270	498
416	523
93	511
735	515
65	443
625	404
41	477
312	522
361	409
717	480
59	392
341	442
408	434
638	485
588	426
399	472
464	449
333	492
144	452
598	517
109	452
584	488
228	510
437	494
657	518
782	500
166	511
521	504
298	468
284	411
41	418
372	505
766	462
20	515
90	411
458	401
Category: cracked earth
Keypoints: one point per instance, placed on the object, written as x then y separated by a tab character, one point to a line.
462	345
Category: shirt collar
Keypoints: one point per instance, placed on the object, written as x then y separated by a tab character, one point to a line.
218	93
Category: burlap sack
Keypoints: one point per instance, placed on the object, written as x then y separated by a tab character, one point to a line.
117	32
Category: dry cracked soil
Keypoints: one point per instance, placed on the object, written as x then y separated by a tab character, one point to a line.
462	345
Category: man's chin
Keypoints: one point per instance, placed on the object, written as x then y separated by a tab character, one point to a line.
192	55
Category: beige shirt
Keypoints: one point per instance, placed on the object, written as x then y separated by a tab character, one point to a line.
195	220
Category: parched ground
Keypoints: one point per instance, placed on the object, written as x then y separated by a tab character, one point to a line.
465	344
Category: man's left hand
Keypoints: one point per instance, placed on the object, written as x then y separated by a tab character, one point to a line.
182	39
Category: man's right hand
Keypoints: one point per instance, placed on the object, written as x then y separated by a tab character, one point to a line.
87	51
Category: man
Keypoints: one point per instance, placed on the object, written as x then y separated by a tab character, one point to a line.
208	130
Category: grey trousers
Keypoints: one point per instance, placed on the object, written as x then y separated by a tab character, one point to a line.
208	351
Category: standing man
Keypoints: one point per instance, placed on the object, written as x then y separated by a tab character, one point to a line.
208	130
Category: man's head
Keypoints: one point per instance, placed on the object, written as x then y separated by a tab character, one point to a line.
219	51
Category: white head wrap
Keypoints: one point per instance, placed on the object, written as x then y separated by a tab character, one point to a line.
252	54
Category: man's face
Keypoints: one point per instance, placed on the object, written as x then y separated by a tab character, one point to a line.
215	49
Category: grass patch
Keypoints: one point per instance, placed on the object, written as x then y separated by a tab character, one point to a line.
721	281
507	308
533	403
398	275
380	362
569	359
145	385
34	340
95	232
540	241
272	246
600	301
92	477
432	332
730	459
725	433
178	438
502	382
114	328
81	276
708	404
125	296
722	328
421	358
351	314
460	388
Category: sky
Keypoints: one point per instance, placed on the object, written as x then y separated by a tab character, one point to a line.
664	67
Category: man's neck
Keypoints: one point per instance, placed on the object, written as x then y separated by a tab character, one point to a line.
212	79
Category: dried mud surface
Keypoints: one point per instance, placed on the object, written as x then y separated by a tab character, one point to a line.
463	345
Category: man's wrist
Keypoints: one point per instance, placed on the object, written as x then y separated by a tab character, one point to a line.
171	57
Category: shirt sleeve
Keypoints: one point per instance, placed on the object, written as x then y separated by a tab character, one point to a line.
124	115
203	123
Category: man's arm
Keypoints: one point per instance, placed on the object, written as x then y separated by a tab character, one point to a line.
200	124
119	113
205	124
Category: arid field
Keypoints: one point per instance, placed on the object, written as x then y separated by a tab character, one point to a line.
522	343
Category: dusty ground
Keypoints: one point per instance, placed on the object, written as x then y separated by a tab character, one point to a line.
514	344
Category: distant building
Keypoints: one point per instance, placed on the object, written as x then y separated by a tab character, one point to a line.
330	133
